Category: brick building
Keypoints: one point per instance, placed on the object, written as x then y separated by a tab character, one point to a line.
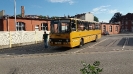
127	22
24	24
110	28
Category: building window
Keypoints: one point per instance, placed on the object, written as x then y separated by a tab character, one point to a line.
122	22
122	28
37	28
126	28
110	28
116	29
44	26
104	28
132	22
126	22
20	26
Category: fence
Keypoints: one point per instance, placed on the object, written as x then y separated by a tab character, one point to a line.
19	38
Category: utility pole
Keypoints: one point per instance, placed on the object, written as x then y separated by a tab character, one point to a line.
15	12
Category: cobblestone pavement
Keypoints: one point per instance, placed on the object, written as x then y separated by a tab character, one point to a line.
29	49
39	48
114	52
105	44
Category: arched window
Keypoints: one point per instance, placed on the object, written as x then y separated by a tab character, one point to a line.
116	29
110	28
104	28
20	26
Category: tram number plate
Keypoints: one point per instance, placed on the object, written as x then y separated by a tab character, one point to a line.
57	42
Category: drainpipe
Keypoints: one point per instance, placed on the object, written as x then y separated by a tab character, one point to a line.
8	23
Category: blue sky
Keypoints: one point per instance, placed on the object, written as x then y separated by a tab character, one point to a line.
103	9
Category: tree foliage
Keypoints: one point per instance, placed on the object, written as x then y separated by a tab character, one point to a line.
18	15
43	17
96	19
55	17
115	18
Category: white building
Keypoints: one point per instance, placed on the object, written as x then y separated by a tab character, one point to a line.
2	13
85	16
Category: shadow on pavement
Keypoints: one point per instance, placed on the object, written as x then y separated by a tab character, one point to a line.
119	35
32	49
121	42
128	43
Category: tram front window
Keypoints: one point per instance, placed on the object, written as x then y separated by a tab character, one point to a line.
60	26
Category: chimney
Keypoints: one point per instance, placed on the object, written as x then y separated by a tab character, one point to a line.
22	11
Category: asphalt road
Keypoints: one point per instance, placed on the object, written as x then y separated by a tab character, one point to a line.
114	52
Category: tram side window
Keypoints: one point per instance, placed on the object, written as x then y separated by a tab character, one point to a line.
93	26
86	26
81	26
78	25
90	26
73	26
97	26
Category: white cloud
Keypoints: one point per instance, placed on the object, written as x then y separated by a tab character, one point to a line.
104	9
100	8
62	1
113	11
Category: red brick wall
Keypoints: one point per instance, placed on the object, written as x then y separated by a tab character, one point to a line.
29	24
126	18
108	28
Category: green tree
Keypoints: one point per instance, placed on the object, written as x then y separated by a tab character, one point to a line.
115	18
96	19
43	17
53	17
18	15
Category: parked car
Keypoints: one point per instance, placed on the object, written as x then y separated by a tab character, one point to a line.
106	33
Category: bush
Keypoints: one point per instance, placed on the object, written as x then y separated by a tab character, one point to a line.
91	69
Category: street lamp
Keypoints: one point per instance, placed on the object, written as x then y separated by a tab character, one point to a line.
15	12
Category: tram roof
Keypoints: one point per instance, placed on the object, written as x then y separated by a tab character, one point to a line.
77	19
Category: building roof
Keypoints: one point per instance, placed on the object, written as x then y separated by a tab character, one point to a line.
109	24
81	14
12	17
